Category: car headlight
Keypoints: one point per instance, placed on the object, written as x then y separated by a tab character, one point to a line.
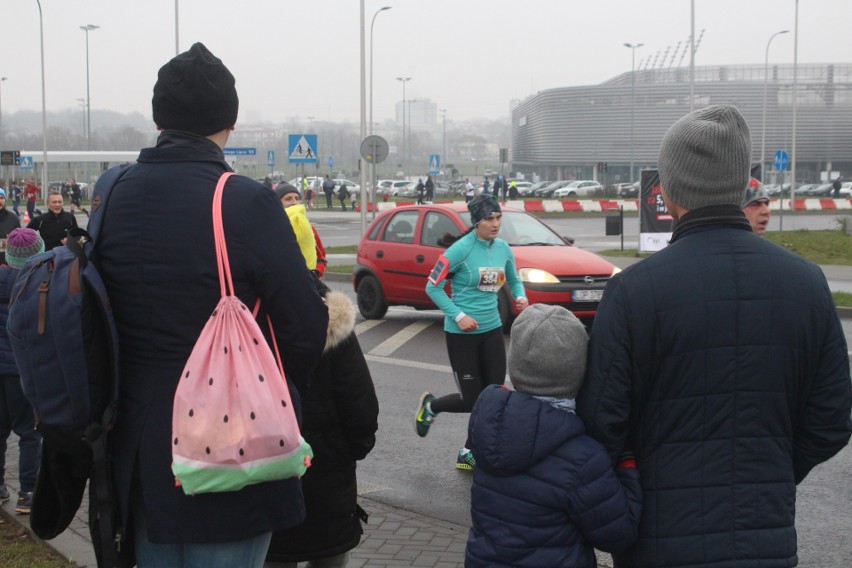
615	270
537	276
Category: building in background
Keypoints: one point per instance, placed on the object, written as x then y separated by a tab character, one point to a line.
569	132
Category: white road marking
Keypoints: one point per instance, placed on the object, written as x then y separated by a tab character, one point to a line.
367	325
407	363
397	340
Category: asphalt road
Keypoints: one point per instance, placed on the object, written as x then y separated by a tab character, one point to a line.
407	355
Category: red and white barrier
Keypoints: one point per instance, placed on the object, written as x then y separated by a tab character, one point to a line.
630	205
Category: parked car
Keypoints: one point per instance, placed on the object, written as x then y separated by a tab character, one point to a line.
578	188
393	185
821	190
523	186
846	189
534	187
400	248
628	189
802	190
548	190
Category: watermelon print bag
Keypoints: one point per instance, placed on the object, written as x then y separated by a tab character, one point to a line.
233	422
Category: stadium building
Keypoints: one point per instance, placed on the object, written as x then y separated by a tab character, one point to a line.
584	132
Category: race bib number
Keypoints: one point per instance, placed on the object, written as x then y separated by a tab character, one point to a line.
491	279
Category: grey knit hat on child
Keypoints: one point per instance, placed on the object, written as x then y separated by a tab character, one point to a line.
705	158
547	353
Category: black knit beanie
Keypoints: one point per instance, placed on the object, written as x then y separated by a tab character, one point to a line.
195	93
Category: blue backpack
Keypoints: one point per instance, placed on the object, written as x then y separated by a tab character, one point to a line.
65	342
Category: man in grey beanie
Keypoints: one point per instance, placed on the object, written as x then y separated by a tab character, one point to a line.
720	363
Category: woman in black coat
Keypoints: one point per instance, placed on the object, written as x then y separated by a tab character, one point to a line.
339	421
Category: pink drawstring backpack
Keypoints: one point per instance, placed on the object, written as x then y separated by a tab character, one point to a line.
233	422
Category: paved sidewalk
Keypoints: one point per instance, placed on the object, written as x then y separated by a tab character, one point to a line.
393	537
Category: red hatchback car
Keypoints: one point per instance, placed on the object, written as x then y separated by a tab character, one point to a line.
401	246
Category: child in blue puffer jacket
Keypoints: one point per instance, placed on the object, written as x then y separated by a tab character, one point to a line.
544	493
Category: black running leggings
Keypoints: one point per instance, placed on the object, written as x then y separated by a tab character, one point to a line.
478	360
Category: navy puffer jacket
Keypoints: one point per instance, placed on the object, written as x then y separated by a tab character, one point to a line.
543	492
720	361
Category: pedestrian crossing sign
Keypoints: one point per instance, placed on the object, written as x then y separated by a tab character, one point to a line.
302	148
434	164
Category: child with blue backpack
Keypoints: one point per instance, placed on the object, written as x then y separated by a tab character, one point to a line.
16	414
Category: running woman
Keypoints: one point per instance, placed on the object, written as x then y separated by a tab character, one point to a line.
477	265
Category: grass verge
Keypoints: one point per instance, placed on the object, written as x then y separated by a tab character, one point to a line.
18	549
820	247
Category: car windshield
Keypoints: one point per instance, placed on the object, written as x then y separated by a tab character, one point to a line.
522	229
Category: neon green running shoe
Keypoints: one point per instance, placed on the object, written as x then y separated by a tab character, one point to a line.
466	461
423	419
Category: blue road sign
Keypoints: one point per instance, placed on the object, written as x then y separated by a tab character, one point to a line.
270	158
240	151
434	164
25	162
781	160
330	162
302	148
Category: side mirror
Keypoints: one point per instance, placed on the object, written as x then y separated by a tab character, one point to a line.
568	240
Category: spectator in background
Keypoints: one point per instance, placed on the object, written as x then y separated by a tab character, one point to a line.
32	193
291	201
756	207
836	185
15	192
8	222
430	189
328	189
54	225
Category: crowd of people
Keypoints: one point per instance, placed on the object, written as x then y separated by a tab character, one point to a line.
674	433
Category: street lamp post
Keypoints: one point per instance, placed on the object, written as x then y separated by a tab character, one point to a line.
372	164
404	80
763	129
1	110
87	28
408	142
444	146
632	47
43	107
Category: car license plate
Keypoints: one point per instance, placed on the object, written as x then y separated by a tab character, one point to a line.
588	295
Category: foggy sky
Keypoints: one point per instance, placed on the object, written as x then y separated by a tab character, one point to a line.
302	58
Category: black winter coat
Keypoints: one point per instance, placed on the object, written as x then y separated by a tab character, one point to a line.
720	361
157	259
8	276
340	422
8	223
53	228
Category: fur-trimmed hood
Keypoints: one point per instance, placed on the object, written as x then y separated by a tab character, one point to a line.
341	318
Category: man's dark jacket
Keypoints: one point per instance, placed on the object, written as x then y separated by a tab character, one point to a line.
53	228
8	223
720	361
156	254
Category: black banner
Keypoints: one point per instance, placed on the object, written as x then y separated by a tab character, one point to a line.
655	222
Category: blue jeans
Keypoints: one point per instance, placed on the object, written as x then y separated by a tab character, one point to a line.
248	553
16	415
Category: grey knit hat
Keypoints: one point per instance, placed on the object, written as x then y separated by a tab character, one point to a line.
705	158
547	353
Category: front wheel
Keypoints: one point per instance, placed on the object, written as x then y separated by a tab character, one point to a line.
371	299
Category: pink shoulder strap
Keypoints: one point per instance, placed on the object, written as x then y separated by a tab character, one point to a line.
225	266
219	238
